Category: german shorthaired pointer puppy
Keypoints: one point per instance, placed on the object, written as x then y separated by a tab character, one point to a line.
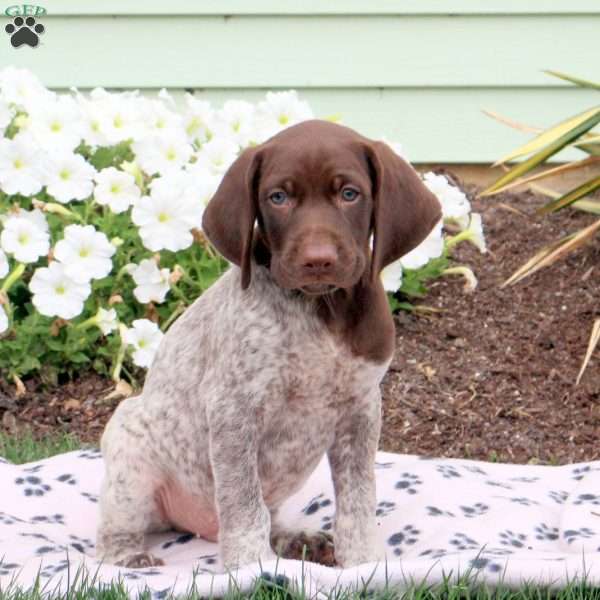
278	363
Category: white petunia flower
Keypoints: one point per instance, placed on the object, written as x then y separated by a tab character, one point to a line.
118	116
56	124
22	87
107	320
473	233
85	252
158	119
3	264
145	337
24	239
198	119
69	177
280	110
56	294
166	217
152	282
20	166
475	230
162	154
3	320
391	277
6	116
36	216
201	187
116	189
455	205
431	247
217	155
236	121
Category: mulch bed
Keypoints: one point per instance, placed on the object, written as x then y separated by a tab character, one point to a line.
491	376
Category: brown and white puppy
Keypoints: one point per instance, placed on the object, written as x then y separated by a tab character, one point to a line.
279	362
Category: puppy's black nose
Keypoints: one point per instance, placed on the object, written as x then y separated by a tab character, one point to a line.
319	259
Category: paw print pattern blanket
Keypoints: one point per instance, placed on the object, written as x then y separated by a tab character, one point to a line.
436	517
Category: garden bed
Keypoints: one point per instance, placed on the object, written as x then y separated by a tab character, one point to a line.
491	376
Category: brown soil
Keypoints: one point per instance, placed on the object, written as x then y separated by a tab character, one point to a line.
491	376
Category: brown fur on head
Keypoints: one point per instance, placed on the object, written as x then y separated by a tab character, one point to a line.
318	191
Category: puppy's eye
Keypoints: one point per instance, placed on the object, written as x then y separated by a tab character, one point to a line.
350	194
278	197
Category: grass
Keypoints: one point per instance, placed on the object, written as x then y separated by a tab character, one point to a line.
25	448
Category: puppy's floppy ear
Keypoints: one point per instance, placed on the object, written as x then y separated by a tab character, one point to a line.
228	220
404	211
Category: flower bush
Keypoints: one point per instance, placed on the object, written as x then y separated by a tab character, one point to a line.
101	202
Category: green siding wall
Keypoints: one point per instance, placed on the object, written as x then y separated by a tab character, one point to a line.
418	71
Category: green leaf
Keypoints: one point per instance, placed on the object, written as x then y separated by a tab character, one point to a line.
579	192
549	135
546	152
576	80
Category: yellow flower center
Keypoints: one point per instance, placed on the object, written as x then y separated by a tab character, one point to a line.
84	252
160	123
118	122
142	343
64	174
60	289
236	126
163	217
95	126
23	239
171	154
193	125
18	163
55	126
283	119
115	188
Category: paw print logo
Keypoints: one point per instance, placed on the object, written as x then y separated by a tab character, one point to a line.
510	538
407	536
408	483
24	31
32	485
545	533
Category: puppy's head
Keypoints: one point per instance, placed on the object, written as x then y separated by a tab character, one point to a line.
317	191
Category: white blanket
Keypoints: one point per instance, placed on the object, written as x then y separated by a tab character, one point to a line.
436	517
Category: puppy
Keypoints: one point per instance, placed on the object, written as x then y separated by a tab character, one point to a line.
278	363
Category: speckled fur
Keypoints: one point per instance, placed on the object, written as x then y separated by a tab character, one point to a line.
247	392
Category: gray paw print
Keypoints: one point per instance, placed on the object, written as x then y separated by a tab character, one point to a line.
560	497
546	533
434	511
8	568
384	508
571	535
434	553
461	541
67	478
447	471
579	473
510	538
408	535
485	563
588	499
326	523
523	501
408	483
315	504
475	510
32	485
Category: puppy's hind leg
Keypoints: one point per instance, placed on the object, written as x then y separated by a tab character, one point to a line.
128	511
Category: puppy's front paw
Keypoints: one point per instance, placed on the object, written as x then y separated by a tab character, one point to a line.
313	546
141	560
